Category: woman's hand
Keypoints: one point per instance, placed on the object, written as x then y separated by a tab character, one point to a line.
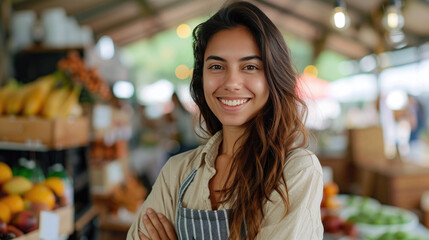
157	226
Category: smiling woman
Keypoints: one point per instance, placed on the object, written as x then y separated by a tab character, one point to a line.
253	179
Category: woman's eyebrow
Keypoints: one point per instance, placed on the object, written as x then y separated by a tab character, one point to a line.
212	57
250	58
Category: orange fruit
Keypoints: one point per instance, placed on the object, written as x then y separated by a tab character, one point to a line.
14	202
56	184
332	202
40	193
330	189
5	172
4	213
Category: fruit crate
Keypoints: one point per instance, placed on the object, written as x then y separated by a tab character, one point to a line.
66	215
40	132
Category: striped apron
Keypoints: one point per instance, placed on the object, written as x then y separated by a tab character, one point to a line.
200	224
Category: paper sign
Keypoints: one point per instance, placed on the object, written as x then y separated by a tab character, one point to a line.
102	116
49	226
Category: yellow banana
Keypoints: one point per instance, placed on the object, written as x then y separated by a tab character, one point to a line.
54	101
71	101
50	80
36	98
16	99
4	94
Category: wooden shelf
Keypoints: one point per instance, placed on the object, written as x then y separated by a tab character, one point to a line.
90	214
29	146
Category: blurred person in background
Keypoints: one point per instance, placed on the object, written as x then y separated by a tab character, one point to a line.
253	179
416	117
184	123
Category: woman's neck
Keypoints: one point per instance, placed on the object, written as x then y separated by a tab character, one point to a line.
229	139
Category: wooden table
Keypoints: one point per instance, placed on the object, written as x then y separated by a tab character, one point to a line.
395	182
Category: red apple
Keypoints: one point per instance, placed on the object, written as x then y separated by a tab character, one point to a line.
26	221
350	229
332	224
37	207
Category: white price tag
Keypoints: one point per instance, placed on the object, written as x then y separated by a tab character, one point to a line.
114	172
102	116
49	226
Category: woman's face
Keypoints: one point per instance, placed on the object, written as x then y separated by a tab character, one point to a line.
235	87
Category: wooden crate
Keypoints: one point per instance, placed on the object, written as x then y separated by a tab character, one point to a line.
55	134
66	215
396	183
367	145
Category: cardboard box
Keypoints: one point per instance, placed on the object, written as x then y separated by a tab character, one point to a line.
66	215
51	133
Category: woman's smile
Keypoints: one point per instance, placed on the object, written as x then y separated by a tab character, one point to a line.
234	103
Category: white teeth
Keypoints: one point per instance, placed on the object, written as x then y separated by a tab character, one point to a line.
233	103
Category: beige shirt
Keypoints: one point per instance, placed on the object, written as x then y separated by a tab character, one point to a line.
303	175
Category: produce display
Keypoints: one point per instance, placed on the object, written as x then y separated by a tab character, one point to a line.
48	96
56	95
331	220
399	235
379	217
22	200
364	218
359	202
377	221
76	70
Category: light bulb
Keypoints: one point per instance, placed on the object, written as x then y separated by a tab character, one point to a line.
106	48
393	18
340	19
123	89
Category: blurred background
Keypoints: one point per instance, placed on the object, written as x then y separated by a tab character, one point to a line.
94	99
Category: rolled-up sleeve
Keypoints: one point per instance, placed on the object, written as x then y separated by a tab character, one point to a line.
305	188
162	199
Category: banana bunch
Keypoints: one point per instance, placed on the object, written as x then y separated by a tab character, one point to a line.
16	99
27	99
36	97
46	97
61	102
71	102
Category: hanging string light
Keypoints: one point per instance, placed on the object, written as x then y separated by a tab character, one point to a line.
393	18
340	19
393	22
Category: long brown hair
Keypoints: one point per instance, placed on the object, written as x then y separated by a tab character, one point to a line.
272	134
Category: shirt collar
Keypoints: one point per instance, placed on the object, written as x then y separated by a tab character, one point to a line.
211	149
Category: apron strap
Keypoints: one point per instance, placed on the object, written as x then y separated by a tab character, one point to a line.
185	185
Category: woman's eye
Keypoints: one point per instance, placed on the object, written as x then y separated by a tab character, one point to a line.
215	67
250	67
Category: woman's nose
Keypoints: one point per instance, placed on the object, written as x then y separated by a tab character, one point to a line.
233	80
